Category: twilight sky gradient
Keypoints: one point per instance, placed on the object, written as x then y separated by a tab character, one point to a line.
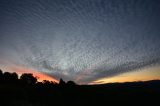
80	40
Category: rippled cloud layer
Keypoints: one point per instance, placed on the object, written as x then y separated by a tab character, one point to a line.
80	40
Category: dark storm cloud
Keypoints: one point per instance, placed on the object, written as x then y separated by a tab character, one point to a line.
80	40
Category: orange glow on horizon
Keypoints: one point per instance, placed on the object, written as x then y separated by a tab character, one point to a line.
144	74
151	73
40	76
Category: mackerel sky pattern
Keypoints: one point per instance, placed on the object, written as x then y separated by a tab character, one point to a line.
80	40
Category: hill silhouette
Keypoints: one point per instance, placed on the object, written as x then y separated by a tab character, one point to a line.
27	91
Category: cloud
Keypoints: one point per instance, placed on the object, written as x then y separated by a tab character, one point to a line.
80	40
121	68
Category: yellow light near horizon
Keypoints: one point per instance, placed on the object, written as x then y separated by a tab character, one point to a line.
151	73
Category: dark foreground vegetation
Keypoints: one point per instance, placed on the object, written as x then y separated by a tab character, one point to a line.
26	91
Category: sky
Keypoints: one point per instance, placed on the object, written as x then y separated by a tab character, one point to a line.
81	40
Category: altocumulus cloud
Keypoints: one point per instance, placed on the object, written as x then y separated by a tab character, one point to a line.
80	40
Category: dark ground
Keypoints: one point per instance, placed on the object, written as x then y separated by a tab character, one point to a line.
27	92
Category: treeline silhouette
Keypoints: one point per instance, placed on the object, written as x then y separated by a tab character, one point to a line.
27	91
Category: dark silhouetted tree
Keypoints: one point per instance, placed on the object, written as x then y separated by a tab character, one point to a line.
14	76
1	75
28	78
10	77
1	72
46	82
71	83
61	82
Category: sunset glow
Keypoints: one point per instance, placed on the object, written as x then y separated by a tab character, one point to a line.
152	73
40	76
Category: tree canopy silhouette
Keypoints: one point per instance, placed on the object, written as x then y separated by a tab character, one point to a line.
28	78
